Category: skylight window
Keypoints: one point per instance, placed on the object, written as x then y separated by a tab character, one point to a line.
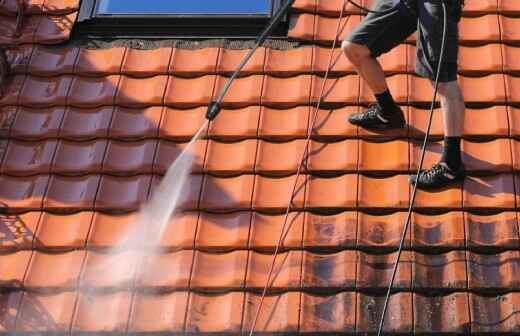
192	7
176	18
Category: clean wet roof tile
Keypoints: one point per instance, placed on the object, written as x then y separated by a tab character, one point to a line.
88	133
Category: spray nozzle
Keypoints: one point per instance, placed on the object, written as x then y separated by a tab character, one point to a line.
213	110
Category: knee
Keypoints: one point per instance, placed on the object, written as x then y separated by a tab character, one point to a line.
355	52
451	91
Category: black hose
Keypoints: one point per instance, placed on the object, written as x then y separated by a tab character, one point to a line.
419	170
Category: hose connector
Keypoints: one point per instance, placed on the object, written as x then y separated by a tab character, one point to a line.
213	110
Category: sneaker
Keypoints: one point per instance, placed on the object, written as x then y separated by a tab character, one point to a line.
438	177
373	118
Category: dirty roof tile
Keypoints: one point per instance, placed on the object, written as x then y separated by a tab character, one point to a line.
381	232
487	272
328	314
434	232
444	272
441	314
322	232
375	270
215	313
398	320
495	314
286	271
329	271
158	312
279	313
498	231
45	92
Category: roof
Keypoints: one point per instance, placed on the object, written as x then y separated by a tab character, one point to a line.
86	134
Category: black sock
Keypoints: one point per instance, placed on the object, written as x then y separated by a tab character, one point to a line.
386	101
451	152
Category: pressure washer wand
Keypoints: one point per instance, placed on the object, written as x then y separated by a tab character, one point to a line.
215	106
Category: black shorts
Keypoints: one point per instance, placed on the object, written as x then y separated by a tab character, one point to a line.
381	33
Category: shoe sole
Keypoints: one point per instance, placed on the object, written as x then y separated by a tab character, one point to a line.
454	182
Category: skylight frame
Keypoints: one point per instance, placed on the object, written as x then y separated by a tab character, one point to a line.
92	24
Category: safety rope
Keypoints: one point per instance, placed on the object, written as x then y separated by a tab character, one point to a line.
298	172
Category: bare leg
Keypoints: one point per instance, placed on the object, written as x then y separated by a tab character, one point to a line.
453	107
368	67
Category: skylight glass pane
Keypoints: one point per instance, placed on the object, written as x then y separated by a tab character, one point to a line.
195	7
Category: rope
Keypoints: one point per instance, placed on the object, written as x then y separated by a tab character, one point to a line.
298	173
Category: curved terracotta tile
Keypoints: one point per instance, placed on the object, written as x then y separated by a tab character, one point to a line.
231	274
99	62
63	232
46	313
273	194
18	231
389	156
135	123
441	314
75	158
146	63
227	194
22	194
28	158
165	270
109	230
496	314
391	192
340	90
189	93
335	192
339	64
122	193
71	193
374	271
112	269
511	59
235	124
45	92
168	152
484	90
229	59
493	192
285	63
326	27
86	124
489	60
498	231
329	271
54	29
141	92
330	232
227	159
418	121
479	30
486	123
400	85
330	124
158	312
191	193
399	315
223	232
286	272
103	312
285	125
301	26
266	231
65	273
268	160
286	92
379	233
181	125
280	313
325	157
46	61
215	313
493	272
494	156
444	231
129	158
191	63
328	314
511	92
444	272
93	92
14	268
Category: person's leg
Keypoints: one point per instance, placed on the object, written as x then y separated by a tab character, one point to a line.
374	36
450	169
366	65
453	108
